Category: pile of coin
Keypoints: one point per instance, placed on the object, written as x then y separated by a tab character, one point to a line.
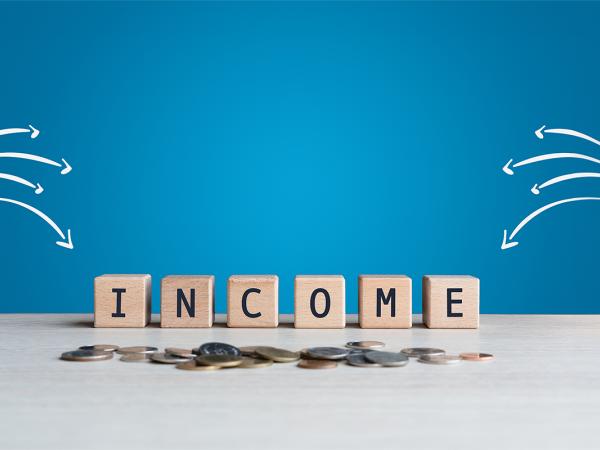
218	355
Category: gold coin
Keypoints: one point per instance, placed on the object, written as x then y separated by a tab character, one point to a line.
219	360
182	352
191	365
277	354
476	356
317	364
365	344
254	363
136	357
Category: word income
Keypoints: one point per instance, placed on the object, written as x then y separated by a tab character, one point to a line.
385	301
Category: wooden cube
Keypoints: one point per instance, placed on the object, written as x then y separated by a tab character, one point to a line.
384	301
451	301
319	301
187	301
253	301
122	301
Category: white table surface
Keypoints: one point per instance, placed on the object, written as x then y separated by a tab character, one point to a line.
542	391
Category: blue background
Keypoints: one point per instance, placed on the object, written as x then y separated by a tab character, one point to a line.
295	138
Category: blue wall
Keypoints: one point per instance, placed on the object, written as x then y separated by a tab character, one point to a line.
295	138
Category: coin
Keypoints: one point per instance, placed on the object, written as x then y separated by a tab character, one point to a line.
361	345
439	359
138	349
101	347
167	358
420	351
254	363
249	350
327	352
387	359
136	357
181	352
317	364
86	355
191	365
219	360
477	356
217	348
277	354
359	360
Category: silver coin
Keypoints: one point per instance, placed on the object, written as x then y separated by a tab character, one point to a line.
181	352
365	345
101	347
166	358
359	360
217	348
137	349
439	359
86	355
416	352
136	357
327	352
387	359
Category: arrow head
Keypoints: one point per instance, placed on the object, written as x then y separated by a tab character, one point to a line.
68	243
66	169
39	189
539	133
34	132
506	169
507	245
535	190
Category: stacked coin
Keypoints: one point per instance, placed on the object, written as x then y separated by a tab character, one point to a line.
212	356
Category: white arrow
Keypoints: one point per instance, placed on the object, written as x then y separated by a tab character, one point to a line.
38	187
570	176
66	241
509	170
540	133
34	133
65	165
506	244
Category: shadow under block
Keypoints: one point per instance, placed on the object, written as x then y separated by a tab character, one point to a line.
187	301
253	301
384	301
319	301
451	301
122	301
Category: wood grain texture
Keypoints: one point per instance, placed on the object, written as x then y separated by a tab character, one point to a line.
135	294
464	307
263	304
373	293
197	306
541	392
326	294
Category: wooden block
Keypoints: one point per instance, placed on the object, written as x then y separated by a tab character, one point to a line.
187	301
319	301
122	301
384	301
252	301
451	301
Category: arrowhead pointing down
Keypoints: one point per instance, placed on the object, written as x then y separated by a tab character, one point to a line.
68	243
39	189
507	245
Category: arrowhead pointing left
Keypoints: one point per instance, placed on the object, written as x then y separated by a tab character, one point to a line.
507	245
34	132
66	169
539	133
68	243
506	169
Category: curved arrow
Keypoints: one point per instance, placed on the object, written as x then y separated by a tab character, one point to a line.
66	242
34	133
508	170
65	165
571	176
540	133
506	244
38	187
